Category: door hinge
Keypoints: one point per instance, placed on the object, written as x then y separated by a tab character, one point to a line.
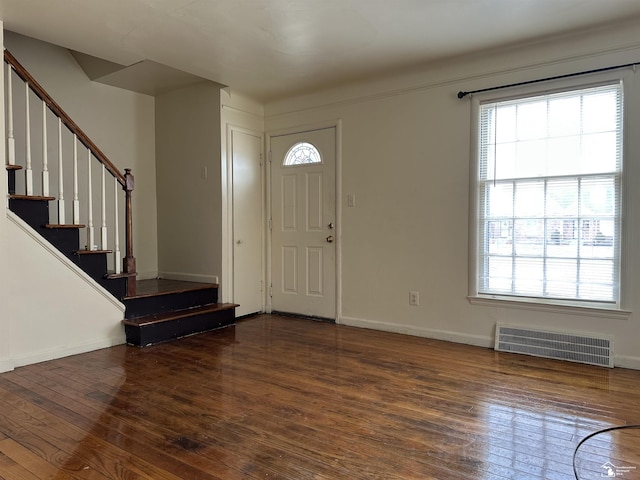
270	156
271	290
270	224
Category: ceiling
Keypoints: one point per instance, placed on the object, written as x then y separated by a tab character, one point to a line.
269	49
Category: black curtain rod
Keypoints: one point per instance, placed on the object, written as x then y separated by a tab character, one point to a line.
462	94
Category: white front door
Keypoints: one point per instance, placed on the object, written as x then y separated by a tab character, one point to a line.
303	213
247	222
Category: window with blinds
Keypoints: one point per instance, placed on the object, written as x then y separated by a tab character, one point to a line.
550	169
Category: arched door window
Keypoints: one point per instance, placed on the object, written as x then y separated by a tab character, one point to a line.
302	153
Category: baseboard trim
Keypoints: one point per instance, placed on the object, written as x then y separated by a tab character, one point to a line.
305	317
189	277
66	351
476	340
620	361
6	366
147	275
626	361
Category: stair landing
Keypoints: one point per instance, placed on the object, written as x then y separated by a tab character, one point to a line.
156	286
164	310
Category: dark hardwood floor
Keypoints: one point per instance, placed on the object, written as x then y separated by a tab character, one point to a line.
284	398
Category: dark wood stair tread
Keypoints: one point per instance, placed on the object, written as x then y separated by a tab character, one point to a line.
14	167
178	314
156	286
112	275
65	225
30	197
92	252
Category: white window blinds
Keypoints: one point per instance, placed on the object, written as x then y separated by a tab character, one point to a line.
550	171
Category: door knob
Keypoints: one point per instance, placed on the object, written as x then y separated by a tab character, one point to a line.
329	239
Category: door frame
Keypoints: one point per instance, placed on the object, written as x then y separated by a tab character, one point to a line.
228	212
337	125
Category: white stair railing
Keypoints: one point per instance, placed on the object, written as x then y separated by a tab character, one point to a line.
19	147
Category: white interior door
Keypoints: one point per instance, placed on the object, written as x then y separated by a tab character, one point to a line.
247	223
303	248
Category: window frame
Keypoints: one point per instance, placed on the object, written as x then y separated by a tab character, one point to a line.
582	307
302	144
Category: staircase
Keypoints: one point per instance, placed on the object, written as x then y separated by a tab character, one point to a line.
166	309
156	310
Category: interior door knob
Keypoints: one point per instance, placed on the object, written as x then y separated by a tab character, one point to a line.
329	239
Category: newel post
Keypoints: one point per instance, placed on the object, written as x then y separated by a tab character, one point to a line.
129	262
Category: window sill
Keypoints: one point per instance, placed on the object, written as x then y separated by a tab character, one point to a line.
541	306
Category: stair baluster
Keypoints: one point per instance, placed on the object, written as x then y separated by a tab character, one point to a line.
90	232
45	156
11	141
116	231
61	213
103	204
28	173
76	201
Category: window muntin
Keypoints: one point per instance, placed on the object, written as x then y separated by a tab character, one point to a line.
550	169
302	153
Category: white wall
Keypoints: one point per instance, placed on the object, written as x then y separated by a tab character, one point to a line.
406	157
188	183
53	310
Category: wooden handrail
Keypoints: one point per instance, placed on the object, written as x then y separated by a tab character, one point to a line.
60	113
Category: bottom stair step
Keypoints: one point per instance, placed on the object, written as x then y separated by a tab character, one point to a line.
151	329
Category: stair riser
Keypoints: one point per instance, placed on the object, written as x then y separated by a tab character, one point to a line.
115	286
169	330
34	212
11	177
64	239
139	307
95	265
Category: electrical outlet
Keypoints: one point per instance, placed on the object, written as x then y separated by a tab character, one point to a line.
414	298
